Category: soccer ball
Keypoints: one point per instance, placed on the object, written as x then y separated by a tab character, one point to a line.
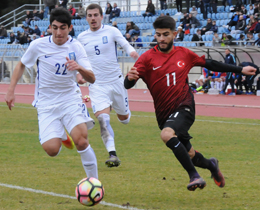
86	98
89	191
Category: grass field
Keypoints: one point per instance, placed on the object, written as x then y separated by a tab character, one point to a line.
149	178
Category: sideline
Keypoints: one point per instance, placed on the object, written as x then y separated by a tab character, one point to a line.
63	196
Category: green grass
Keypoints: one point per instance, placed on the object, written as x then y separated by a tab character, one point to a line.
149	177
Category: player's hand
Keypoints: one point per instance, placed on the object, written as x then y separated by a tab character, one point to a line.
10	99
134	55
133	74
80	79
72	65
248	70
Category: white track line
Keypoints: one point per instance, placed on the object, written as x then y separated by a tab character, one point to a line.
212	121
63	196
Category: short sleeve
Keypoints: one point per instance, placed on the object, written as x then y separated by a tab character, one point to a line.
82	58
31	55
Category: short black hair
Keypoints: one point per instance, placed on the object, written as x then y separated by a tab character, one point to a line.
61	15
164	22
95	6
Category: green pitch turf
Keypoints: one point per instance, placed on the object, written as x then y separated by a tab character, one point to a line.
149	176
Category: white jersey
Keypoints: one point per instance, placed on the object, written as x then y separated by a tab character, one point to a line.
54	83
101	49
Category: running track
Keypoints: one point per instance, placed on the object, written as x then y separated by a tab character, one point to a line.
240	106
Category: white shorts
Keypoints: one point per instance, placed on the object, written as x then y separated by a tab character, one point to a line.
54	119
202	78
104	96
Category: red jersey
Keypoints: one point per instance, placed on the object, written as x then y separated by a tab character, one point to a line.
166	76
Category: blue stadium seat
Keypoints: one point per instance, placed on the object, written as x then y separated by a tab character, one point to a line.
227	9
213	16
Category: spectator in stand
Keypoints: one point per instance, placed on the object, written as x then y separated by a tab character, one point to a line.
4	73
187	6
3	32
150	9
179	6
81	12
72	10
128	38
27	30
229	59
256	8
216	40
250	41
194	11
207	27
241	39
37	30
194	22
250	22
213	29
257	27
214	4
132	29
257	42
46	9
230	40
12	38
186	22
240	26
163	4
29	39
233	21
22	38
43	34
223	39
251	10
252	25
115	12
51	4
207	8
37	15
201	6
197	37
243	9
114	24
137	41
238	5
29	17
180	35
63	3
107	13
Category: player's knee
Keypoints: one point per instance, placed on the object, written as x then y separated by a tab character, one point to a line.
82	143
167	134
52	152
125	119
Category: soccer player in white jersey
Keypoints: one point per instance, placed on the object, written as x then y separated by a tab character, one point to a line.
100	41
57	96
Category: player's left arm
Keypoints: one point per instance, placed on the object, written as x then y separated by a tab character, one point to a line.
223	67
88	75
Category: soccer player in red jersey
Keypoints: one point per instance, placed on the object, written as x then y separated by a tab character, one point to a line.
165	69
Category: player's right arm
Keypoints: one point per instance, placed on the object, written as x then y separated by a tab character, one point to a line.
17	74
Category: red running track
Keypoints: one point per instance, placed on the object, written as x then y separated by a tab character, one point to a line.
239	106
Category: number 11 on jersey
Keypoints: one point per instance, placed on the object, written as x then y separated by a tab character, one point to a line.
169	79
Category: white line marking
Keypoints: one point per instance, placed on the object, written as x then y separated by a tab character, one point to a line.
63	196
212	121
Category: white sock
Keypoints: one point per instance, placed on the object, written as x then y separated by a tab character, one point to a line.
89	162
218	85
107	132
212	84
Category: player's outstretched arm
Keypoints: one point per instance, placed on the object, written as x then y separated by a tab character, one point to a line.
17	74
86	74
223	67
131	78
